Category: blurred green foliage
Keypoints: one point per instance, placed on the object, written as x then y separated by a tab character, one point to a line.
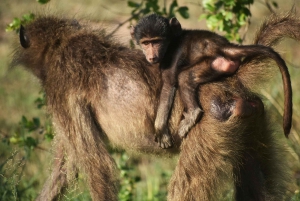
17	22
227	16
149	6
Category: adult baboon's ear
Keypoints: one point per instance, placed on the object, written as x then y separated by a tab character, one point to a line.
24	40
175	26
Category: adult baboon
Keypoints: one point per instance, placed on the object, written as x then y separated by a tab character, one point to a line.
99	91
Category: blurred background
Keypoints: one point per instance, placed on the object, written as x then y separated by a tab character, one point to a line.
25	130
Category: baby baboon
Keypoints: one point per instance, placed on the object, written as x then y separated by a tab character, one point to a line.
98	90
191	58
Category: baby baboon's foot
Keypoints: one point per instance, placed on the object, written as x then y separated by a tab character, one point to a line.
189	121
164	140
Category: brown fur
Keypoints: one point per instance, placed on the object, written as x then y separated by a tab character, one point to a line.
99	91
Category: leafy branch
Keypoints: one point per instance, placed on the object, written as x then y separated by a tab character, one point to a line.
152	6
227	16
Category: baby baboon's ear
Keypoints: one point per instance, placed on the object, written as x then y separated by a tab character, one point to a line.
175	26
132	32
24	40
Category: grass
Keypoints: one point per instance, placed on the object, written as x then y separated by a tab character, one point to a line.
23	169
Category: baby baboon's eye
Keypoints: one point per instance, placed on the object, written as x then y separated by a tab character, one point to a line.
146	43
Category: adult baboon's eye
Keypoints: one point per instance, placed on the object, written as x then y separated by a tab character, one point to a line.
24	40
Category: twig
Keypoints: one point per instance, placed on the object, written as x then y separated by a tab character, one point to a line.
129	19
121	24
43	149
273	101
269	6
3	134
116	12
295	135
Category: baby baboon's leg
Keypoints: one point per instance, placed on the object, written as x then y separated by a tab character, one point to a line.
188	88
207	70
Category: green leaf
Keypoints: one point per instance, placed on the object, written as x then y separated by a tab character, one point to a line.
14	25
221	26
36	122
242	19
28	17
153	4
40	102
133	4
30	142
230	3
43	1
275	4
203	16
16	21
14	140
171	8
184	12
218	5
209	7
246	11
49	136
228	16
24	121
213	19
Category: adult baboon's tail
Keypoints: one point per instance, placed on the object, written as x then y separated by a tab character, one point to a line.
278	27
